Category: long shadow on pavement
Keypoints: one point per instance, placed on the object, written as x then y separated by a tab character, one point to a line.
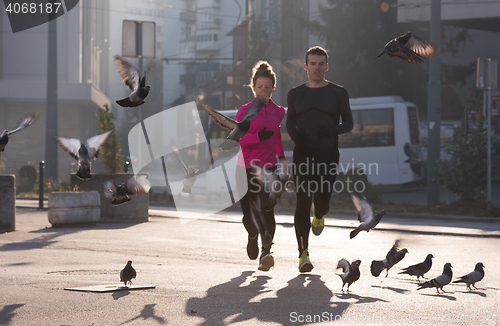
148	312
305	299
8	312
397	290
49	234
449	297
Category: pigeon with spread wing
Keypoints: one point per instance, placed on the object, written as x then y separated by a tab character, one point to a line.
366	215
238	129
409	48
132	78
393	257
120	194
350	272
83	153
26	121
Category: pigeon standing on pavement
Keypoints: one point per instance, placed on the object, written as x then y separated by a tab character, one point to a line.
26	121
409	48
274	183
473	277
127	274
238	129
84	153
366	215
350	272
133	186
439	281
417	165
132	78
419	269
393	257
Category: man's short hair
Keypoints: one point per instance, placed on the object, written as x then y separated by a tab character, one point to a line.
318	50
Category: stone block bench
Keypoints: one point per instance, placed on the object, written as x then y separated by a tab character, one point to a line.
74	208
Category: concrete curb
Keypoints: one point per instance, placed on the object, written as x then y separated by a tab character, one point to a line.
441	217
282	218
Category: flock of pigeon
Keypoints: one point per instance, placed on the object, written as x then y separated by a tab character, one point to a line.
407	47
84	153
369	219
351	271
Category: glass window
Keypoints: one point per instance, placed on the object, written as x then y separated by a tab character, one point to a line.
371	128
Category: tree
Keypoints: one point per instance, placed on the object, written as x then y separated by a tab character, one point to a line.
465	173
354	32
112	161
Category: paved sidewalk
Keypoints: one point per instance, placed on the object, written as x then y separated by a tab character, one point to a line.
204	277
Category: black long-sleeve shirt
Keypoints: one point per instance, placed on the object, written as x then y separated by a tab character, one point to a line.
313	117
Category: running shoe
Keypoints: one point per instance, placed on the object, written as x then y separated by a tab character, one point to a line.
252	247
318	223
266	261
305	265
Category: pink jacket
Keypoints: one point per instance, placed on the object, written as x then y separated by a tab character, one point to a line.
262	153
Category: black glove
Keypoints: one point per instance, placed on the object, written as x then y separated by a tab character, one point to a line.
265	134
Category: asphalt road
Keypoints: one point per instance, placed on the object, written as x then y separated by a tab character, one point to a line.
203	276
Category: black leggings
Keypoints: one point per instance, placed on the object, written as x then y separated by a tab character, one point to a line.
265	220
315	171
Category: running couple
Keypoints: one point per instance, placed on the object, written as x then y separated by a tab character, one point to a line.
313	123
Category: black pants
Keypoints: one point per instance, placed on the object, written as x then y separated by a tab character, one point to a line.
256	222
315	171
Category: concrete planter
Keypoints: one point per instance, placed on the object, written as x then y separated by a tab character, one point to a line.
74	208
136	210
7	203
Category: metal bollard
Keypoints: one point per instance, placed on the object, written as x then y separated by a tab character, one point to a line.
40	185
126	166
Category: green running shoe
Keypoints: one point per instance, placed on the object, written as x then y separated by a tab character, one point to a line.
305	265
318	223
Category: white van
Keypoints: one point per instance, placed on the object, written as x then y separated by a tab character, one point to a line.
382	127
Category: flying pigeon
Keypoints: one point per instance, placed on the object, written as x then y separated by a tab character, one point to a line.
83	153
409	48
127	274
132	78
439	281
274	183
366	215
473	277
417	165
393	257
419	269
26	121
191	172
238	129
120	194
350	272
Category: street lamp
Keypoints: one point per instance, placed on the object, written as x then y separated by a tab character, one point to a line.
487	80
